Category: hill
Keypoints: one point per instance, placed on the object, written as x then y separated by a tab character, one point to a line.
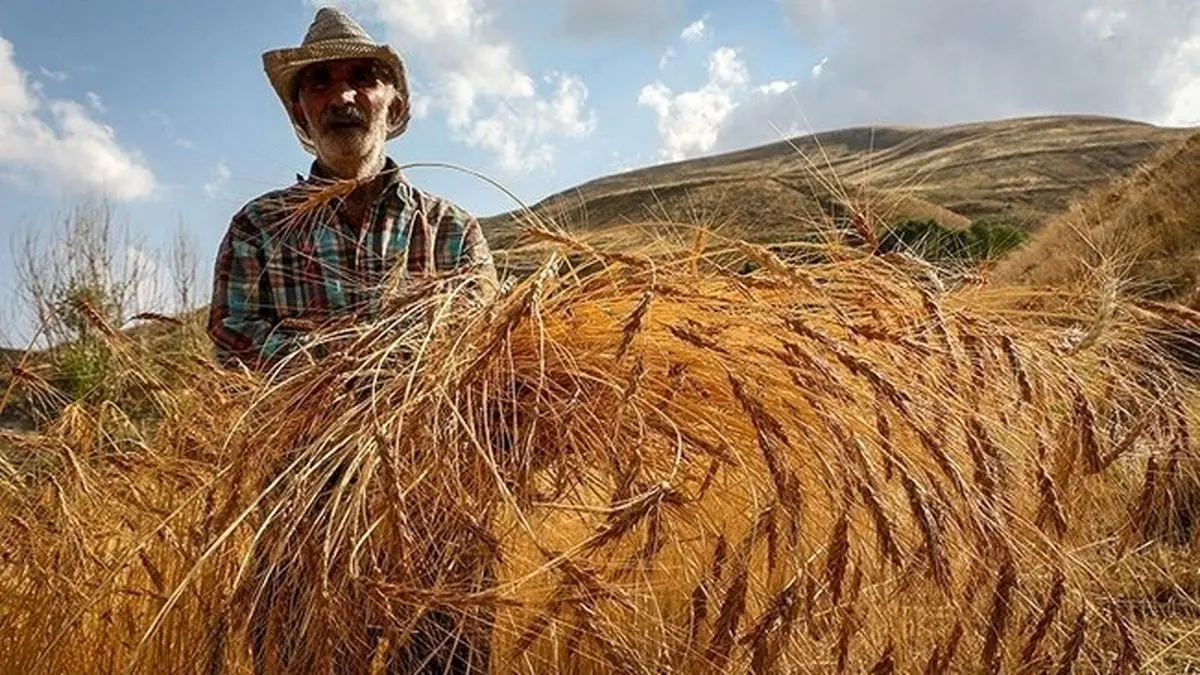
1146	225
1018	170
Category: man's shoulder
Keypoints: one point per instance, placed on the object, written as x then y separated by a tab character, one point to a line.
260	212
432	203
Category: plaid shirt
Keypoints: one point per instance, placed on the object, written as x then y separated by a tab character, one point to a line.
269	274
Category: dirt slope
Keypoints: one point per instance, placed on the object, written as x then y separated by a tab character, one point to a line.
1146	224
1020	170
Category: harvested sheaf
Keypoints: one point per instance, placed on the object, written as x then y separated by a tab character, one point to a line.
662	465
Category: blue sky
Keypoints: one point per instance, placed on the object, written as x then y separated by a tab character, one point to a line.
164	106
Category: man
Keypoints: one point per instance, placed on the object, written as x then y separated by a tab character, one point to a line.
277	278
276	273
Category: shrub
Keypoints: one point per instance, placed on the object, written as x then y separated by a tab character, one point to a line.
982	241
85	280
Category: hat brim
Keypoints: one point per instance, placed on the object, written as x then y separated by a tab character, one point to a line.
283	66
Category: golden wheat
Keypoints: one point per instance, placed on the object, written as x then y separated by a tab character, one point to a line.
656	466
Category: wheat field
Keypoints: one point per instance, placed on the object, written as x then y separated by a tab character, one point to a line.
630	462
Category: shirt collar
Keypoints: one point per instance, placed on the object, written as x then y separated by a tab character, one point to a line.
396	177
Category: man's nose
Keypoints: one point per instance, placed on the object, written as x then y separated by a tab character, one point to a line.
343	92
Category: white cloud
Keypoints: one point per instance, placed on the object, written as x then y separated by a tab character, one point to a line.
725	67
667	57
220	178
60	142
56	75
421	104
1183	78
15	96
774	88
1104	21
518	135
944	61
819	69
657	97
695	31
690	122
489	100
96	102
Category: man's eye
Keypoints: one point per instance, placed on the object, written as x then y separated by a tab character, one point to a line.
363	76
318	77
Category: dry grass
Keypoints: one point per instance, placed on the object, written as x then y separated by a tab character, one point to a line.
666	465
1141	229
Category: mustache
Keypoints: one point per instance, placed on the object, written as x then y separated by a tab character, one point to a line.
347	115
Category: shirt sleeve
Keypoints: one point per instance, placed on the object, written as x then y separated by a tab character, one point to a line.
462	247
476	253
242	321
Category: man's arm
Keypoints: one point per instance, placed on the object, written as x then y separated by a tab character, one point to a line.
242	322
477	255
460	247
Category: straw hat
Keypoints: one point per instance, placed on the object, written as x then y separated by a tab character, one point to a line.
332	35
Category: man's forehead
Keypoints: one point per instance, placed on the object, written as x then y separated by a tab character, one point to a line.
344	63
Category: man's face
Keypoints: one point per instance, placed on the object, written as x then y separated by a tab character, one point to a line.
345	107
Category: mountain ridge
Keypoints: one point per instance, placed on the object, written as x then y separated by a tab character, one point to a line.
1021	170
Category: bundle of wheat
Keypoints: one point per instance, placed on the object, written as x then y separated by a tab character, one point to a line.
661	465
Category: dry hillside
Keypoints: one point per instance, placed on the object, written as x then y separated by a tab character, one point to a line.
1145	226
1019	170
